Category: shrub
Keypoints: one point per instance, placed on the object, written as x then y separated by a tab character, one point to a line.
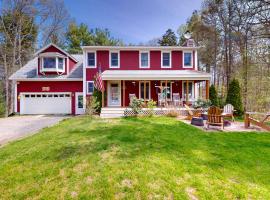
234	97
136	105
91	105
98	96
172	113
213	95
151	105
201	103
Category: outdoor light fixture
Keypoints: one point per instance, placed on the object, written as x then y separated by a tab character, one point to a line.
134	83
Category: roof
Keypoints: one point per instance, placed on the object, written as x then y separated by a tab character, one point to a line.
29	72
136	48
54	45
155	75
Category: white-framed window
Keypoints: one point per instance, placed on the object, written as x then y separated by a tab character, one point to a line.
165	59
168	90
91	59
144	59
190	89
90	87
187	59
52	64
114	59
145	87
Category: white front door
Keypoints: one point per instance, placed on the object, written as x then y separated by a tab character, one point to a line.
79	103
114	93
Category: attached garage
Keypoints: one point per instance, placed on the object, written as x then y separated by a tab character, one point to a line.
45	103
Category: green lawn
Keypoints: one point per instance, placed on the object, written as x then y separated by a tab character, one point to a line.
135	158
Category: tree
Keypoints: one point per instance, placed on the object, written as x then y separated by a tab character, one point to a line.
2	101
213	95
168	39
234	96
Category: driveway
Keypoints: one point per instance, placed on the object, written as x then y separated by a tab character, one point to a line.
13	128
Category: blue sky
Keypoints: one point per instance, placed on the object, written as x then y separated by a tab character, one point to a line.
133	21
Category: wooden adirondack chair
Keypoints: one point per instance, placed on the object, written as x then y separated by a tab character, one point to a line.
215	117
228	111
176	99
191	113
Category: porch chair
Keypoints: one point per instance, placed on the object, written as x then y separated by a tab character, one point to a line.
228	111
215	117
191	114
161	99
176	99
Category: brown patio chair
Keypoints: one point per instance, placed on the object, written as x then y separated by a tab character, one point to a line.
228	111
191	113
215	117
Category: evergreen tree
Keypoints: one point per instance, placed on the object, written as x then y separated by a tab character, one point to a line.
213	95
168	39
234	96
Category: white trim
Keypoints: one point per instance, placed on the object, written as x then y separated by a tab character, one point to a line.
23	93
89	66
78	111
15	97
149	89
170	88
67	60
137	48
63	51
109	93
170	65
192	92
84	81
183	60
148	61
110	61
87	91
48	79
196	60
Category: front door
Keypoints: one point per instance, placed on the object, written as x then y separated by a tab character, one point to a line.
79	103
114	96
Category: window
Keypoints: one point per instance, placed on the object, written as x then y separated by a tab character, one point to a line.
144	60
60	63
187	59
49	63
91	59
190	90
167	90
114	63
166	60
52	64
145	89
90	87
80	101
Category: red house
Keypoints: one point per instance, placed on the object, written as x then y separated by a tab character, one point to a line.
56	82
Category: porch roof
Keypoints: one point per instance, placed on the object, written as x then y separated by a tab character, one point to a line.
155	75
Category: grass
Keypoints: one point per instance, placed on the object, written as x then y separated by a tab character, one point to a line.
135	158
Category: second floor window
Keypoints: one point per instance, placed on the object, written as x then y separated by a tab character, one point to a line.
166	60
53	64
90	87
144	60
187	59
91	59
114	60
60	63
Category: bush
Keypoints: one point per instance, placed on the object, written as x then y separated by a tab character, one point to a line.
151	105
213	95
91	105
136	105
98	96
201	103
172	113
234	97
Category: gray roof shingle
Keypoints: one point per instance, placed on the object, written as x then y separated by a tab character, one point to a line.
29	71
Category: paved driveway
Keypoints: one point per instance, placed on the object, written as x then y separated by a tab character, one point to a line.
13	128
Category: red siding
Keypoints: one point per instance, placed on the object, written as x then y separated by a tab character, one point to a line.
129	60
55	86
177	60
155	60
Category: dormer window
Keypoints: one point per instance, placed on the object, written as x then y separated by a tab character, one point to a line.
52	62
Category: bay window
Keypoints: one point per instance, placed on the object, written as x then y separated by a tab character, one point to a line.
52	64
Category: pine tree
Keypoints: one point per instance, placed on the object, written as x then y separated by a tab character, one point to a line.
234	97
168	39
213	95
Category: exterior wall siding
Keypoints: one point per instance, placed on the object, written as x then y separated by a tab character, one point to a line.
55	86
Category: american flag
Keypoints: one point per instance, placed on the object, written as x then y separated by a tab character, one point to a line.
98	81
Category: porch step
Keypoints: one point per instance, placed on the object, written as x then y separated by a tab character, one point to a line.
112	112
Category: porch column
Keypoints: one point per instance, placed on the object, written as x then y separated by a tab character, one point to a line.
144	91
166	86
207	89
102	93
187	91
124	93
